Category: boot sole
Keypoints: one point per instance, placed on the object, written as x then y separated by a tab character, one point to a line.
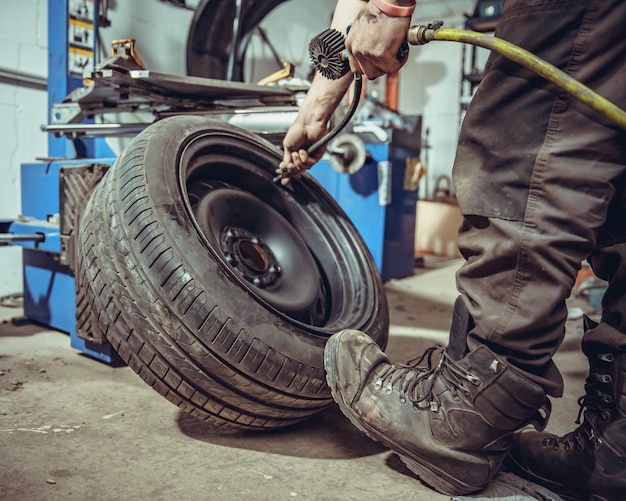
438	479
562	491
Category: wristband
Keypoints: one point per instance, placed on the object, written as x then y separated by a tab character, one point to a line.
393	10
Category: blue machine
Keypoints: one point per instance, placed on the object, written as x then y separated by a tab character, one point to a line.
49	285
72	49
53	191
380	198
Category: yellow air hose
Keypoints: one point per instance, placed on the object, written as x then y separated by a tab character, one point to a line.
420	35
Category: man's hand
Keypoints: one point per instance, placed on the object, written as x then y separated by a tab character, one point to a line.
372	43
311	124
300	136
374	40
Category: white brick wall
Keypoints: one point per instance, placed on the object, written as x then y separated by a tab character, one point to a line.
23	38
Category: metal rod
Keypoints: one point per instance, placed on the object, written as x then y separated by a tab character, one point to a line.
23	79
235	41
7	238
95	129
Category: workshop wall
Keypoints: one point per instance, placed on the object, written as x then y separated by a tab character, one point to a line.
160	30
430	85
23	38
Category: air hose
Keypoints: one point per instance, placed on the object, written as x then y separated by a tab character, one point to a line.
329	55
420	35
311	150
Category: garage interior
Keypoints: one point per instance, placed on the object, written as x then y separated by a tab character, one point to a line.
75	421
74	428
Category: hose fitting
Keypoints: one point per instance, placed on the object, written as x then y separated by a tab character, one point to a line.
421	35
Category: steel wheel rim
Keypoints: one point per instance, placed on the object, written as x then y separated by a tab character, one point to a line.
249	235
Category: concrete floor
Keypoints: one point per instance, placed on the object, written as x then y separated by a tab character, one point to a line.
74	428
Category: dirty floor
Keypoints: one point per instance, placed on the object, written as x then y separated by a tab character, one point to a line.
74	428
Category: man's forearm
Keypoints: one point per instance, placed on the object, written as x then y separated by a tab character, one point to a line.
324	95
345	12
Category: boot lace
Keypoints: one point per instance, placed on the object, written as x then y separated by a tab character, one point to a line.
598	389
574	439
415	380
597	400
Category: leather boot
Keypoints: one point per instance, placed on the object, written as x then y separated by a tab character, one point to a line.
589	462
450	422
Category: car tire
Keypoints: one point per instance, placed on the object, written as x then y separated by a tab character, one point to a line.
218	286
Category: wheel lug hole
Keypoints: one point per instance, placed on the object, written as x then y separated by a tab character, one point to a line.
250	256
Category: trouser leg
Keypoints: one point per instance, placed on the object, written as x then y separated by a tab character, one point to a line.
537	177
609	263
590	461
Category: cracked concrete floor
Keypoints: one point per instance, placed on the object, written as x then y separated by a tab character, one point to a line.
74	428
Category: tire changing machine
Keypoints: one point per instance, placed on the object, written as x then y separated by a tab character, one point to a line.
55	188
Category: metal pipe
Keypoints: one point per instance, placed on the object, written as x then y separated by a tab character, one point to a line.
95	130
7	238
235	41
22	79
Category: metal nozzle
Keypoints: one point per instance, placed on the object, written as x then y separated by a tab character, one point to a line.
421	35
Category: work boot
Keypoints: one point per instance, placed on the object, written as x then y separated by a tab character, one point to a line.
589	462
450	422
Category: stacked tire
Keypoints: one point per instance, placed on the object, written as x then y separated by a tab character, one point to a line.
217	286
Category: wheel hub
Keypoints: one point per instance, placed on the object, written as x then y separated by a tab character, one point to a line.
250	256
263	249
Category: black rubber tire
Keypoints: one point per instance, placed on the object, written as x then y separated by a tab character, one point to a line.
229	328
210	39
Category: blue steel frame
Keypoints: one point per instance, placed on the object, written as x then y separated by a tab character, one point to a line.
49	285
61	82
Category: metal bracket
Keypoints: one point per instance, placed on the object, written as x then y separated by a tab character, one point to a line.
65	113
384	183
76	182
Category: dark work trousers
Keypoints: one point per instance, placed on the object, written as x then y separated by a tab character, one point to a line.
540	179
